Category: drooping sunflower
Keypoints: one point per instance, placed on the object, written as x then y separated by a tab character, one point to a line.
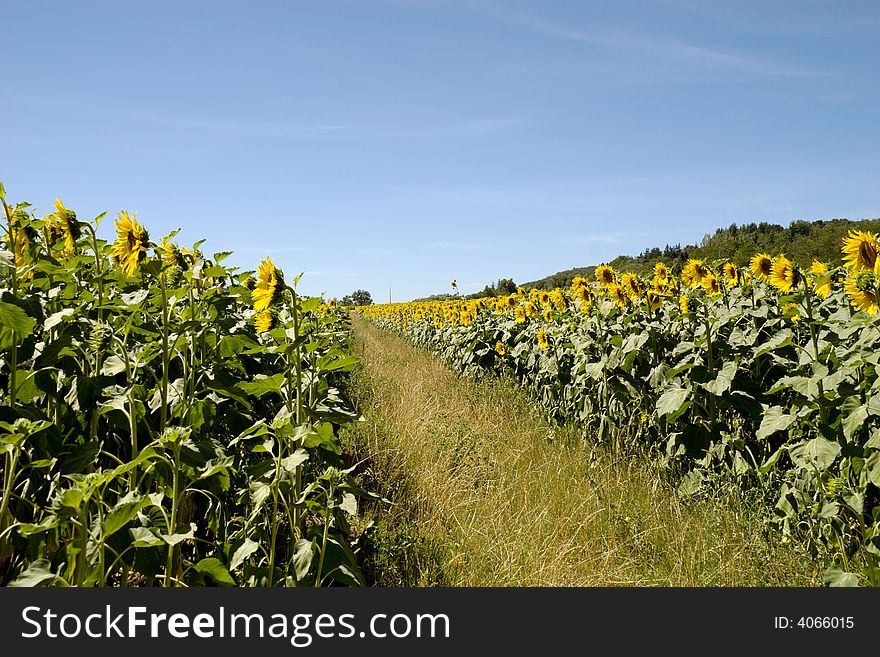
264	321
862	291
52	228
543	340
500	348
605	275
269	285
790	312
731	274
548	315
531	309
783	275
558	299
711	284
823	287
860	251
172	255
618	295
684	304
631	285
70	228
818	267
694	272
25	243
653	299
132	241
761	266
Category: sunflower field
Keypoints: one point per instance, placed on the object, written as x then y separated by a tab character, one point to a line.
166	420
764	377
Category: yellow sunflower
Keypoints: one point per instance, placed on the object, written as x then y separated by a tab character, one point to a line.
605	275
171	255
818	267
653	299
694	272
268	288
70	228
558	299
543	340
860	251
548	315
618	295
731	274
631	285
790	312
761	266
661	273
131	243
684	304
862	291
711	284
500	349
531	309
578	282
783	275
544	299
520	315
264	321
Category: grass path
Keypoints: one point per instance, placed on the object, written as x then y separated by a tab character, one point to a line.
486	493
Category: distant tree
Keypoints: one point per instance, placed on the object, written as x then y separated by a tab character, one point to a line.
357	298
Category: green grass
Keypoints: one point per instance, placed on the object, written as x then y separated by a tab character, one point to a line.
485	492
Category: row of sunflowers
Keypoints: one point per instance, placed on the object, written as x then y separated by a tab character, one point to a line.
165	419
762	377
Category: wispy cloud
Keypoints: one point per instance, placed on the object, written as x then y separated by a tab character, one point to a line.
649	46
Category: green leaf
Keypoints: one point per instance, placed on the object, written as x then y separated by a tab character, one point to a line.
721	384
673	402
245	550
781	339
216	570
292	462
329	364
818	452
15	323
144	537
349	504
38	573
835	577
262	385
871	469
775	419
303	552
180	534
855	414
124	511
55	319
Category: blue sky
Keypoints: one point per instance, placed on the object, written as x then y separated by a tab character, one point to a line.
404	143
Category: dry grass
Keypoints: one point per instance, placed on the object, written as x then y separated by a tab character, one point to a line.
487	493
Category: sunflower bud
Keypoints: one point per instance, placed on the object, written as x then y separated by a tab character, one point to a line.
99	338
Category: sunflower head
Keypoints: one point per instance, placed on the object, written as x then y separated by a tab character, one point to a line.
761	266
818	267
653	299
860	251
694	272
544	298
790	312
500	349
862	291
520	315
54	233
548	315
265	320
711	284
132	241
783	276
661	273
558	299
605	275
618	295
511	301
631	285
269	286
543	340
70	227
171	255
684	304
731	274
578	282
